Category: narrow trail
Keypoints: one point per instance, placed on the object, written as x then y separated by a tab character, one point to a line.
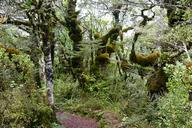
68	120
73	121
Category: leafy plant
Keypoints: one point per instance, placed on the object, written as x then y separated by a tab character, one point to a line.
174	108
22	104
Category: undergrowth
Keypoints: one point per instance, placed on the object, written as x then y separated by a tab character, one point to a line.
127	98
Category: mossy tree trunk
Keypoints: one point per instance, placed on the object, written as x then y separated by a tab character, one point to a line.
41	25
75	34
118	56
48	39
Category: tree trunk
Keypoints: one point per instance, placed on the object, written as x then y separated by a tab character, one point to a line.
49	73
48	38
118	57
75	34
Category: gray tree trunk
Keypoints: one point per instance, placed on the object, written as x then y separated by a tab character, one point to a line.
49	73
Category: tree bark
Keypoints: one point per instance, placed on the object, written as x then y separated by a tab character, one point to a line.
49	73
48	38
75	34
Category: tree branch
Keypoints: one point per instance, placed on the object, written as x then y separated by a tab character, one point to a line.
17	22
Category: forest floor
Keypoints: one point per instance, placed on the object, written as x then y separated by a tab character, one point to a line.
69	120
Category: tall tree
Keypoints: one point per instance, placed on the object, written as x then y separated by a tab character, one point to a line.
38	19
75	34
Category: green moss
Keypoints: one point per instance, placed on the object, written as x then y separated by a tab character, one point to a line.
103	58
110	48
144	60
157	82
97	35
12	51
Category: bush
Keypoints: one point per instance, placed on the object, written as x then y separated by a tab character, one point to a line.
22	104
174	108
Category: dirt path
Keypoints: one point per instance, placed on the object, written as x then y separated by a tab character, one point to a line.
73	121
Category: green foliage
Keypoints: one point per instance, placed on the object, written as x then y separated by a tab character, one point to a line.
27	5
22	104
110	92
19	109
55	125
180	34
13	37
17	69
188	14
138	111
184	1
174	108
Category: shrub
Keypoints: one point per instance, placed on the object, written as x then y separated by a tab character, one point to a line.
174	108
22	104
